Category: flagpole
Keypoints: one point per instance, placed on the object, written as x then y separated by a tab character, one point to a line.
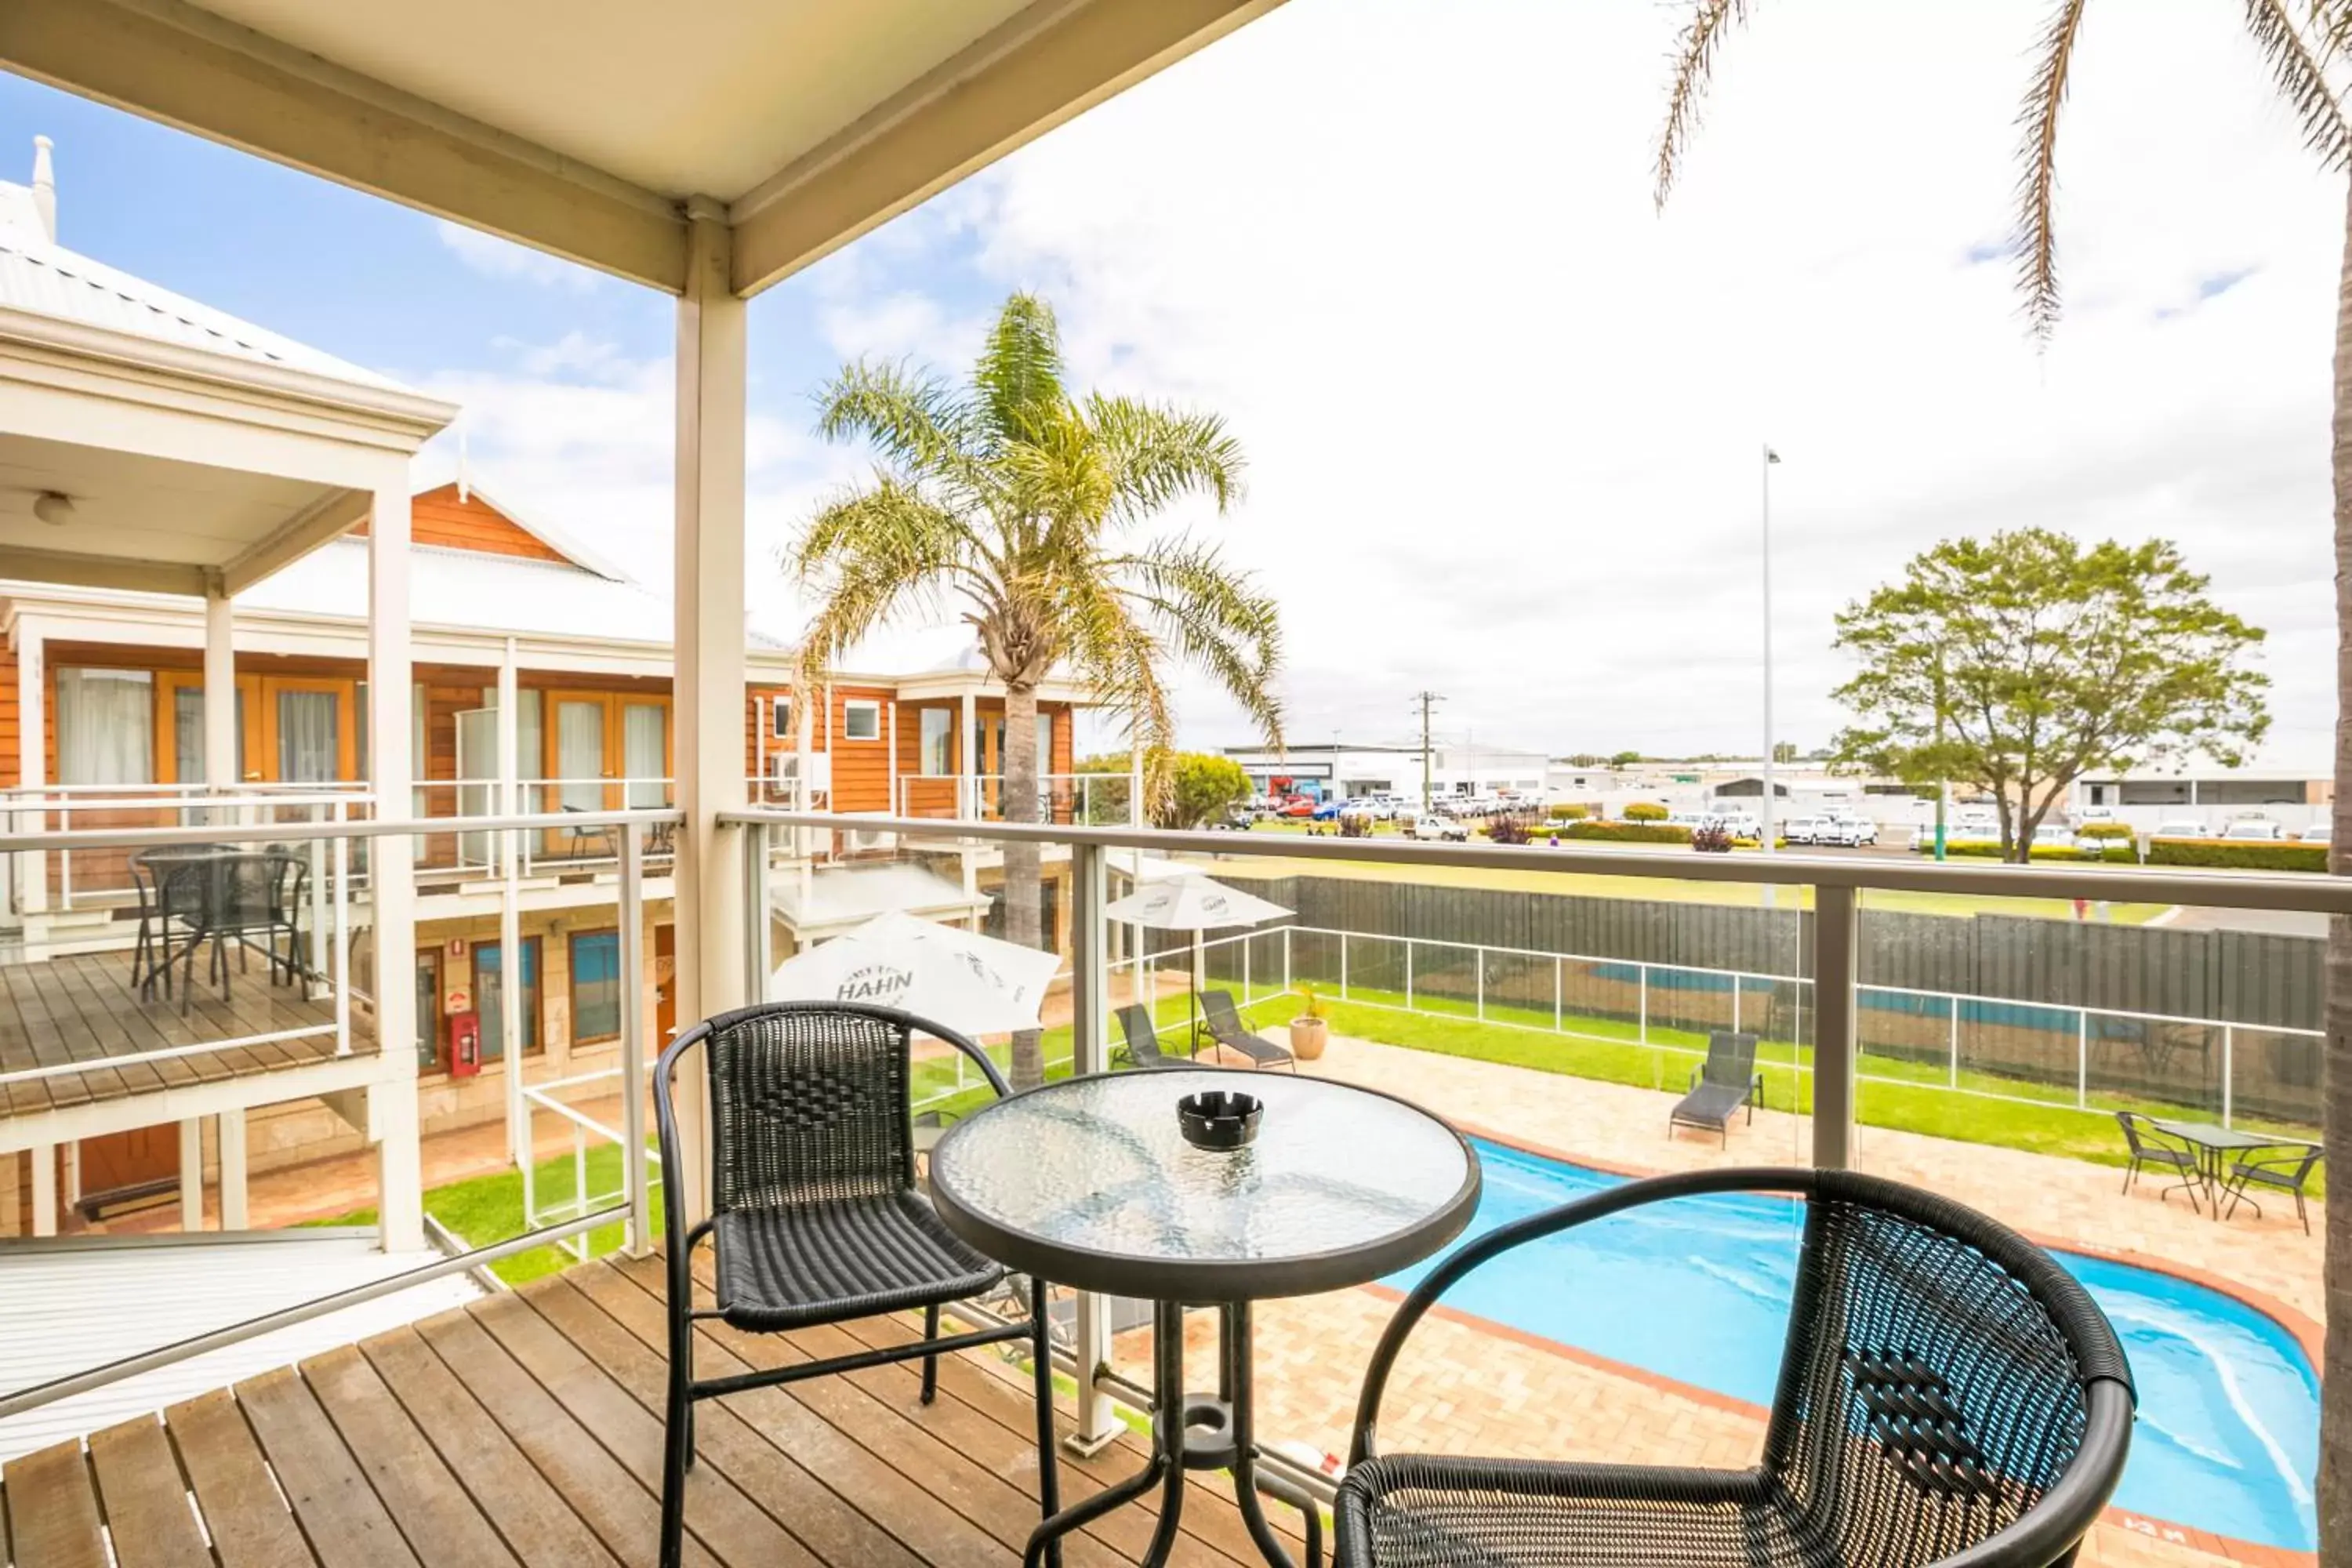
1771	802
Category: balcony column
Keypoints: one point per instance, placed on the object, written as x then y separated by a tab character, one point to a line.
32	754
968	792
511	802
710	640
392	866
1837	960
220	689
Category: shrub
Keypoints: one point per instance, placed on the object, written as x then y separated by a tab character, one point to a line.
1511	829
2115	854
1714	838
1567	811
1355	824
2237	857
1632	832
1646	811
2103	830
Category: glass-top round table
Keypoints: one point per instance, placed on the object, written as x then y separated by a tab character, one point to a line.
1089	1183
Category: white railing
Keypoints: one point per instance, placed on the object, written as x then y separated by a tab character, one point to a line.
1830	962
586	1214
1081	799
102	877
541	1212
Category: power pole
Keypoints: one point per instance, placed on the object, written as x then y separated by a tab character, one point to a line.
1427	701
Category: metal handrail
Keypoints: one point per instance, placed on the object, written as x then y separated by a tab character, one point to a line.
2213	888
297	832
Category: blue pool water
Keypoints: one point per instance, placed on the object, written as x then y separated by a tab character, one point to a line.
1697	1291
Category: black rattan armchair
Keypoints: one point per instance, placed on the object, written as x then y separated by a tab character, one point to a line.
1948	1394
816	1217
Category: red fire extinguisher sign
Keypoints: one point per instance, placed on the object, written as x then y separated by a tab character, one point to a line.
464	1044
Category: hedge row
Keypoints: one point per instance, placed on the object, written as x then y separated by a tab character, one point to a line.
1631	832
2240	857
1569	811
2103	830
2117	854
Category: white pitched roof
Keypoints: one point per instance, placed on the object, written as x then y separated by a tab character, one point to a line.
437	465
43	279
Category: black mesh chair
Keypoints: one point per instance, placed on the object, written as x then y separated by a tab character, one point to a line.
2147	1147
1143	1039
1720	1086
816	1217
2283	1169
1948	1394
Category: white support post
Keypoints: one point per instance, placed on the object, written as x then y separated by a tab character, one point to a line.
893	804
510	850
2228	1051
1953	1079
1098	1424
399	1185
1837	958
32	753
192	1173
633	1043
45	1189
229	1136
319	893
220	691
759	919
711	666
2082	1058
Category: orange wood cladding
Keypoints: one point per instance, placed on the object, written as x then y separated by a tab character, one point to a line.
438	518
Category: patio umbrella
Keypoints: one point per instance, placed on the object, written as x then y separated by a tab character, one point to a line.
1195	903
968	981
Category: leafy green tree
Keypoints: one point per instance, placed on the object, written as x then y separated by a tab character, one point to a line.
1624	758
1024	507
1205	786
2019	663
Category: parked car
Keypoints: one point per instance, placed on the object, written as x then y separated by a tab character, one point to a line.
1846	832
2253	830
1804	829
1740	824
1437	829
2054	836
2180	827
2317	832
1327	810
1295	808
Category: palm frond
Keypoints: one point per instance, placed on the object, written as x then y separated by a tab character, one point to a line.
1216	619
1694	69
872	557
1159	454
2037	180
2330	22
913	420
2298	71
1116	653
1020	368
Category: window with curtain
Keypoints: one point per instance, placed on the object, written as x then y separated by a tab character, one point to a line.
489	996
595	986
780	717
580	752
428	1011
938	757
309	736
188	734
644	753
531	742
106	727
861	720
1045	742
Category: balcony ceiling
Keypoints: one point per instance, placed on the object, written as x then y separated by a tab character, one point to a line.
591	128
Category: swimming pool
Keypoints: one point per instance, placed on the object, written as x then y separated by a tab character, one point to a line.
1697	1291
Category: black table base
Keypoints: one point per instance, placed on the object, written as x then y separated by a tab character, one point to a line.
1194	1432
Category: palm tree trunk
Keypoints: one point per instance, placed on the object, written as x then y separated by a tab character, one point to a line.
2335	1375
1023	890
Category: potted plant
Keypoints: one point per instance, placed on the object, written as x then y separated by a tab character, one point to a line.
1309	1032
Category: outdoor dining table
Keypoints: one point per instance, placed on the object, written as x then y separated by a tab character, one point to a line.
2213	1142
1090	1183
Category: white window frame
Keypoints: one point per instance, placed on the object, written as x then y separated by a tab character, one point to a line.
780	718
850	711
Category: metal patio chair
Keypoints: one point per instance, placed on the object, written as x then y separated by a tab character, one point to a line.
2284	1168
1226	1027
2148	1147
816	1214
1143	1036
1948	1394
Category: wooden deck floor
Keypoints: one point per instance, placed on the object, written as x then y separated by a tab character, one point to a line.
84	1008
527	1430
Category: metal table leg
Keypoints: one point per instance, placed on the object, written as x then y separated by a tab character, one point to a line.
1192	1432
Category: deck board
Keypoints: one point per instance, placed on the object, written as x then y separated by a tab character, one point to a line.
526	1430
83	1009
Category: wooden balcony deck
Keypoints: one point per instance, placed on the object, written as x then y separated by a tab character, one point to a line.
527	1430
84	1008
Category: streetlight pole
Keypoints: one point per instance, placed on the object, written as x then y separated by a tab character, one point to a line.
1771	802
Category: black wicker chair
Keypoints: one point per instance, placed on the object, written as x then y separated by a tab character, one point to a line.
816	1217
1948	1394
2150	1147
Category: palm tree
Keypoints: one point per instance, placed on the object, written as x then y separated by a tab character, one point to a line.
1024	505
2299	52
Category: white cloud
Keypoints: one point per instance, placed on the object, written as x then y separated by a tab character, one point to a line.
1504	421
495	258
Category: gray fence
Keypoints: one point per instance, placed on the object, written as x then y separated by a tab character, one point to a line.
2028	1001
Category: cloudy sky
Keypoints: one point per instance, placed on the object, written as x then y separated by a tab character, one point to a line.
1504	421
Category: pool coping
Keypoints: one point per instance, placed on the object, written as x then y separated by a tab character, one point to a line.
2306	1333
